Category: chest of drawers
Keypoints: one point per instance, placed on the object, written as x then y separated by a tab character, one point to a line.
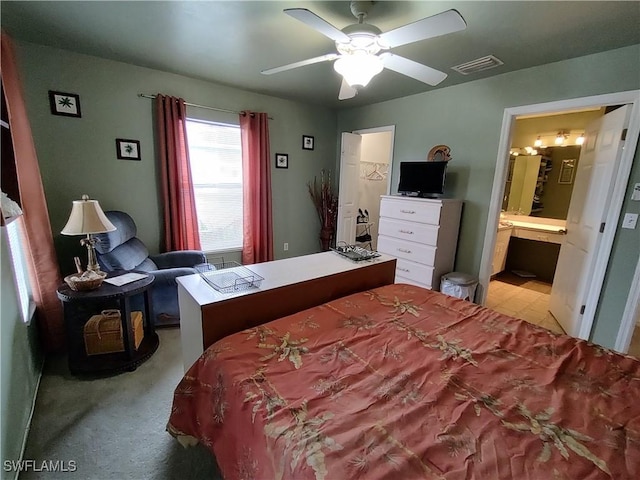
422	234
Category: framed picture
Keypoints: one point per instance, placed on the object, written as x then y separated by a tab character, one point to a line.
566	171
282	160
128	149
65	104
307	142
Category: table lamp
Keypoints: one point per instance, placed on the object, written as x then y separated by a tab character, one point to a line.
87	218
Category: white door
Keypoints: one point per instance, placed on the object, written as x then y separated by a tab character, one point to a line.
587	211
348	188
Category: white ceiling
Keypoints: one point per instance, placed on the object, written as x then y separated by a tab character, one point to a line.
230	42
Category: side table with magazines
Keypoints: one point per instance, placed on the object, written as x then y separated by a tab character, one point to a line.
109	329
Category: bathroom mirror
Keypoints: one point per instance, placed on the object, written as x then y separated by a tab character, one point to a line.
541	185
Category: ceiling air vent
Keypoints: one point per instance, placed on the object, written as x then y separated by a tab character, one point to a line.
477	65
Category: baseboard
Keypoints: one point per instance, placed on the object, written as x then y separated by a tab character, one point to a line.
28	426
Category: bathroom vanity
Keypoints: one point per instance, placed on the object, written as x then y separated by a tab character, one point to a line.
529	244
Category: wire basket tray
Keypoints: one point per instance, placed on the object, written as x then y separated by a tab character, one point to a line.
355	253
229	277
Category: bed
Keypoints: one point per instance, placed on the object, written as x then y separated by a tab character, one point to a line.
400	382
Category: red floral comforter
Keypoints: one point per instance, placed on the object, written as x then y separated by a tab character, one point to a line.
405	383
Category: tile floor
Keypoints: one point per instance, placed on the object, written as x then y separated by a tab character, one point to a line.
634	348
528	299
524	298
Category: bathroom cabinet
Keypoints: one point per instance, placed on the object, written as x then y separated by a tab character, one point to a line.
500	250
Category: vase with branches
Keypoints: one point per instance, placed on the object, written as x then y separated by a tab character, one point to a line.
326	204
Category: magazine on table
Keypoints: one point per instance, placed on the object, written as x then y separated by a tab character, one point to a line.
125	278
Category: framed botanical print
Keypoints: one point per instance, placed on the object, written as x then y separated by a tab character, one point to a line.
128	149
64	104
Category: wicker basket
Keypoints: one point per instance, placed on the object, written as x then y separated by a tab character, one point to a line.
103	333
76	282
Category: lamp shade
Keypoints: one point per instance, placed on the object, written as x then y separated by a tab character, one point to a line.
87	217
359	68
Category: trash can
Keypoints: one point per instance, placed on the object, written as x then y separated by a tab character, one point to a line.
461	285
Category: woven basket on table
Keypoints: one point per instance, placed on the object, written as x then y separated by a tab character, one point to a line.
79	285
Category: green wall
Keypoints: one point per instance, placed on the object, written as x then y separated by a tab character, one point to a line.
468	118
77	155
21	363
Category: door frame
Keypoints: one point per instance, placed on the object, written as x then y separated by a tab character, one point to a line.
619	184
631	313
387	128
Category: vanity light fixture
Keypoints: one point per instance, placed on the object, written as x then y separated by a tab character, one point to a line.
580	139
538	142
559	138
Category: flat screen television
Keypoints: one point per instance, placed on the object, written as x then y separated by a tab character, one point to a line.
423	179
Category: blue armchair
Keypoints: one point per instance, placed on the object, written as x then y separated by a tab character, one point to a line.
121	250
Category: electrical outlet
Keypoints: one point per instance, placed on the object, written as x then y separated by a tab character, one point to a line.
630	220
286	246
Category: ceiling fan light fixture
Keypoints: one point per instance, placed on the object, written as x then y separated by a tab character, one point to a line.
358	69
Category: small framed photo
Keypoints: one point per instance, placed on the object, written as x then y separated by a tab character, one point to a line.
282	160
566	171
65	104
307	142
128	149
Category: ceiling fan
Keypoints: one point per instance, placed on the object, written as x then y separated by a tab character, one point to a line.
363	50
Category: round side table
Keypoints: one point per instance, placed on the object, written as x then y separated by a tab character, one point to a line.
80	306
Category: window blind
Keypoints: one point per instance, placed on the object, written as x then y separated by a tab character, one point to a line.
216	167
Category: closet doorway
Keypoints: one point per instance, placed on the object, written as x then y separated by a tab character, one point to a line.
364	177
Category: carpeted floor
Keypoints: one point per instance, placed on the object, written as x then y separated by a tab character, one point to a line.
114	428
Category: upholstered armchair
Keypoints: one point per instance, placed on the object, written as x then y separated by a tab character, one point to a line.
122	250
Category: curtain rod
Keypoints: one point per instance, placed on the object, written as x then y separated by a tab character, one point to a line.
206	107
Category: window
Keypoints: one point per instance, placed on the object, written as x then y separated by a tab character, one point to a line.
16	249
215	154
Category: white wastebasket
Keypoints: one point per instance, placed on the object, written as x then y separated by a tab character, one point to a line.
461	285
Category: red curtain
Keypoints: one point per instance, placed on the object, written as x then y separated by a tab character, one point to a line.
41	256
256	171
180	218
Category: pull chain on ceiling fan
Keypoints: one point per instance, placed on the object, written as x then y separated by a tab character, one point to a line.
363	50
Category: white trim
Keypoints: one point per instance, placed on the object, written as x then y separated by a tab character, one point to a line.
631	313
631	97
387	128
29	420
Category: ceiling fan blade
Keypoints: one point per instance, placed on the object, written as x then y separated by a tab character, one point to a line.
346	91
412	69
317	23
302	63
434	26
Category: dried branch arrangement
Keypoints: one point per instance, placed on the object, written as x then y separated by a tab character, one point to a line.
325	201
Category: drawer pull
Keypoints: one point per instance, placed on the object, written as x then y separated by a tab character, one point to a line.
404	250
403	269
408	232
410	212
